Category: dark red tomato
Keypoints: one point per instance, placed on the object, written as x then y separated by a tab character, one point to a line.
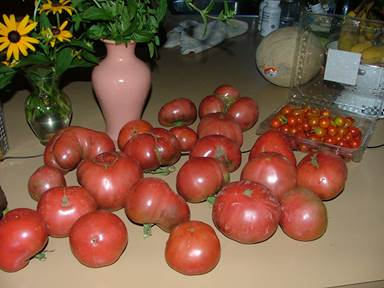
70	145
201	177
98	238
177	112
273	170
303	214
108	177
324	173
23	234
187	137
220	124
131	129
61	207
210	104
193	248
155	148
273	141
228	93
245	112
43	179
246	211
220	148
151	201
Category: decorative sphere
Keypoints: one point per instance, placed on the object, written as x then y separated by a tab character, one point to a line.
275	56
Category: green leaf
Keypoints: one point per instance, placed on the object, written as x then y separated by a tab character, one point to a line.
63	60
95	13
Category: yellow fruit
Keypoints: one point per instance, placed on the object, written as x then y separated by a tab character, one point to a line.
347	40
359	47
373	55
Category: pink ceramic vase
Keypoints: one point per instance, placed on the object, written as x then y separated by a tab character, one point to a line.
121	82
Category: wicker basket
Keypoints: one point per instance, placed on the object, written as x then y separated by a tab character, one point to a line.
3	134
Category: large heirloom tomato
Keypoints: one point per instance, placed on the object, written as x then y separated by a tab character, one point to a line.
108	177
130	129
23	234
246	212
200	178
151	201
177	112
323	173
43	179
60	208
303	214
272	170
70	145
187	137
98	238
245	112
220	148
193	248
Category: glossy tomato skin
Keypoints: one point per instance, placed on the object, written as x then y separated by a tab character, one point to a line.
177	112
23	234
108	177
98	238
211	104
245	112
228	93
303	215
273	141
220	148
151	201
324	173
273	170
43	179
200	177
193	248
60	208
187	137
130	129
167	146
70	145
220	124
253	219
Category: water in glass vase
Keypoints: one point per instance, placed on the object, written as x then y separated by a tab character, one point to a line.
47	109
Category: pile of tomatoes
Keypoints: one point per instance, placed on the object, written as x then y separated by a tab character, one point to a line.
112	178
317	124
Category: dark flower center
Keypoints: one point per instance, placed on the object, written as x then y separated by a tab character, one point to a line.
55	3
55	31
14	36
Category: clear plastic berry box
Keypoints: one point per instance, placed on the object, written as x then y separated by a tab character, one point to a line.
349	79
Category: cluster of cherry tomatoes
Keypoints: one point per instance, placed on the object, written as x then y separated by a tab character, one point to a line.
317	124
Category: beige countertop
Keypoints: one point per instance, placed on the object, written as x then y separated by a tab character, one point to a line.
351	251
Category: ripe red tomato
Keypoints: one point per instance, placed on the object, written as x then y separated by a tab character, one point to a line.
273	141
151	201
193	248
70	145
177	112
108	177
23	234
303	214
210	104
98	238
227	93
43	179
155	148
245	112
253	219
220	124
200	177
220	148
131	129
324	173
187	137
273	170
60	208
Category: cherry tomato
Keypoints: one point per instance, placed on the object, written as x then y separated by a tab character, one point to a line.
324	122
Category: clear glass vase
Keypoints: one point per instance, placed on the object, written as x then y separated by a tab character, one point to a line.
47	109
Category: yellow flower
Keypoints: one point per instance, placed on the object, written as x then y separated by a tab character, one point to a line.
57	6
14	36
60	34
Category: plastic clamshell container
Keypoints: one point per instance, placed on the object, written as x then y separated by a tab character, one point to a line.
342	85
